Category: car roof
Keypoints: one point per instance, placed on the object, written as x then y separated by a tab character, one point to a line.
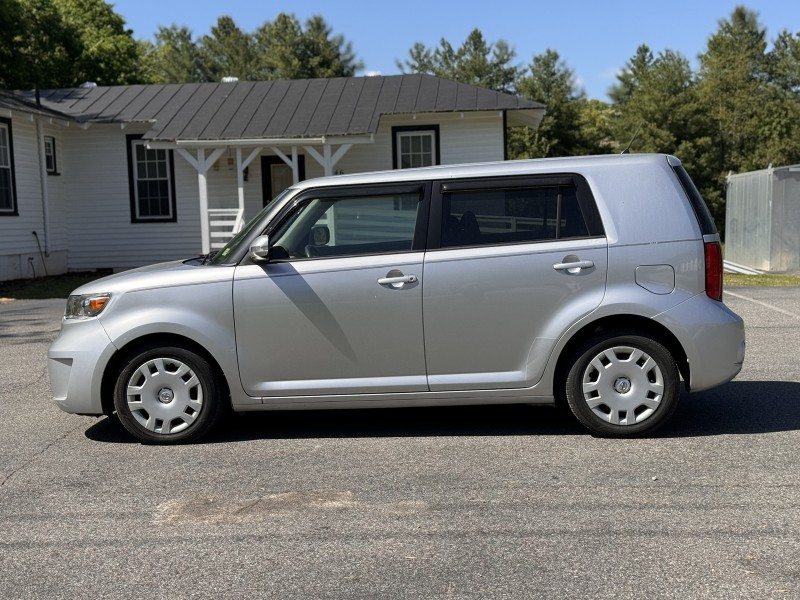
489	169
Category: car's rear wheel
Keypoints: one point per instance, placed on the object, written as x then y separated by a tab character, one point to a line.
167	395
623	385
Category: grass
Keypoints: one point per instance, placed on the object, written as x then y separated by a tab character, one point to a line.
766	280
55	286
60	286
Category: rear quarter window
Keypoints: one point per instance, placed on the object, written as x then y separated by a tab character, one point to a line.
707	226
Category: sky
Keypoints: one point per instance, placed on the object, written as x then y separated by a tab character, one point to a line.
594	38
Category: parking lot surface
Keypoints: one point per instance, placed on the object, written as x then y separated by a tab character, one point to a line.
478	502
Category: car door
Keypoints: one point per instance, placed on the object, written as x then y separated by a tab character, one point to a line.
518	261
337	310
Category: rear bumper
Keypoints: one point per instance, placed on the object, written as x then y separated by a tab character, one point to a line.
712	335
76	362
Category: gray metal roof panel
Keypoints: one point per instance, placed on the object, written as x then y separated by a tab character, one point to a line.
270	109
407	95
176	114
218	127
322	117
247	109
348	99
306	106
257	125
426	97
467	97
365	107
121	107
279	123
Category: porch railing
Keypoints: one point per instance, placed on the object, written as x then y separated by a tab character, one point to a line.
224	223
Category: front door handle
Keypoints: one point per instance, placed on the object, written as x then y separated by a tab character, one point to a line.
398	280
574	266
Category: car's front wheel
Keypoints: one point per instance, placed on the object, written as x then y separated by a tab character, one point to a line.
167	395
623	385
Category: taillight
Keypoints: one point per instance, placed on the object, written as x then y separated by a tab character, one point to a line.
714	270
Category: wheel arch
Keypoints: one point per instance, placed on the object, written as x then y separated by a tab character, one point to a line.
115	364
620	323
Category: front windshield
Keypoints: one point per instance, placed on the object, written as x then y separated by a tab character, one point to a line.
221	256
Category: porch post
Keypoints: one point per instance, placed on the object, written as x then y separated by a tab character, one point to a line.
327	160
291	162
240	167
202	185
201	165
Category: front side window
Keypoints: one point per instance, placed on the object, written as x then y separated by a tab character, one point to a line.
348	226
521	214
8	200
415	146
151	174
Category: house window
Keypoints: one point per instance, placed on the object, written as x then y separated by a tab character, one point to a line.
8	200
50	155
415	146
151	175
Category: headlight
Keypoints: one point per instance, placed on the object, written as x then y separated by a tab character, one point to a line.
88	305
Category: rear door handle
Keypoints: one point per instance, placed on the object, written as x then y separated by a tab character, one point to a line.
573	267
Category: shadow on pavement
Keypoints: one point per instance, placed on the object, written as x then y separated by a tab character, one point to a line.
739	408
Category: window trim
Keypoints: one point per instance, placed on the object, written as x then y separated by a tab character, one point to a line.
54	169
131	140
423	188
586	202
396	130
14	210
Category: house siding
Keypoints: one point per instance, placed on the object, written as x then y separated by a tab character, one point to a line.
101	234
20	254
89	201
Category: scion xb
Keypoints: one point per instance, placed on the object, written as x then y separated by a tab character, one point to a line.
594	282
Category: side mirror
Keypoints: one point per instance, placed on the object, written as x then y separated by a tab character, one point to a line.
259	249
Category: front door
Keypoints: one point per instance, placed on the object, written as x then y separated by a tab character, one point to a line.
276	176
338	309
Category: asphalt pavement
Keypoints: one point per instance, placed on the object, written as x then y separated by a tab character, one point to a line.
478	502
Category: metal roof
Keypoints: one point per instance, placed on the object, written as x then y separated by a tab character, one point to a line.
302	108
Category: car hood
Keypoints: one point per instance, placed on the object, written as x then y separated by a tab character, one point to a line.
161	275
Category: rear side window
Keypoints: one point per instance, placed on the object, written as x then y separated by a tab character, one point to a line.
512	212
701	211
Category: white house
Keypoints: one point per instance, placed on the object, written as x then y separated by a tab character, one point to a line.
119	177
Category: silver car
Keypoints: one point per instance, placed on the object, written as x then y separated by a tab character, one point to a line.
595	282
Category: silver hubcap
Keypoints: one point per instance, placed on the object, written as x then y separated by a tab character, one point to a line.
623	385
164	395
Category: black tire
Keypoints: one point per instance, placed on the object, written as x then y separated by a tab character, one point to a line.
623	385
168	395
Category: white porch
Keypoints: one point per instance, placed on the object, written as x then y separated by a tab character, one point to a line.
219	224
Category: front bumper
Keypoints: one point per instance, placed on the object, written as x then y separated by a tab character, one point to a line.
76	362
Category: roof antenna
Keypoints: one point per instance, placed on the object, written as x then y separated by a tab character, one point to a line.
627	149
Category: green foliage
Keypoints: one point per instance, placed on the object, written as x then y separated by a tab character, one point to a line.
108	54
281	49
475	62
174	58
571	124
289	52
62	43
